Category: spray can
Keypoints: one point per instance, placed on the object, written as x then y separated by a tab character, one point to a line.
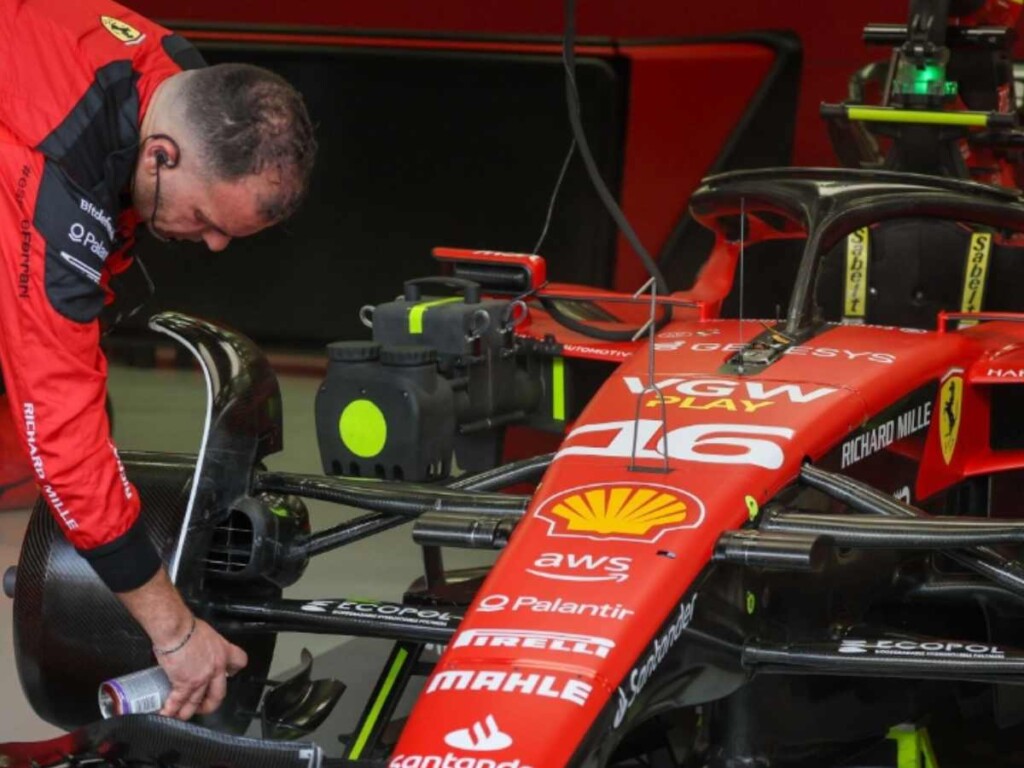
135	694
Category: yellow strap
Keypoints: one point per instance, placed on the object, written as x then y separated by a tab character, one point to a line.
855	292
417	312
975	274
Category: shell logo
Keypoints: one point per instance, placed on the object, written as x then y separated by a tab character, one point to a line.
626	512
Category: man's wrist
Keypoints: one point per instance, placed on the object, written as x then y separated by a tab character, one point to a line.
159	609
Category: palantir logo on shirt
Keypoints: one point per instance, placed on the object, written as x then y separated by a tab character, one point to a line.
123	31
480	737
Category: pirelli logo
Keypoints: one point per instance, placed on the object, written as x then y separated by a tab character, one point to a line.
975	275
856	288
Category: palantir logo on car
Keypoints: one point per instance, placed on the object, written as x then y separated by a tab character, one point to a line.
480	737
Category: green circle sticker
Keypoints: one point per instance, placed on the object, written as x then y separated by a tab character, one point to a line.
363	428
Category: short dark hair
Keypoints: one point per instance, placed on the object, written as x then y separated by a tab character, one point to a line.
248	120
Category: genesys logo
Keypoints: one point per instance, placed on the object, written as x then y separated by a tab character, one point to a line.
927	649
561	642
737	444
387	611
483	736
545	685
637	679
567	566
640	512
532	604
451	760
819	353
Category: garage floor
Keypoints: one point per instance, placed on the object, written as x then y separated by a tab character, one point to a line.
162	410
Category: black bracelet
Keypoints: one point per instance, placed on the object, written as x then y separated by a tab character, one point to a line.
179	646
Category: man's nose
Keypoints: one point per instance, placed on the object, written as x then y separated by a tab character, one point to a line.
216	241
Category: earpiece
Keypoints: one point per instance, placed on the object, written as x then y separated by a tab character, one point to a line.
162	158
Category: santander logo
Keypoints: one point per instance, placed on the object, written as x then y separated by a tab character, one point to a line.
479	737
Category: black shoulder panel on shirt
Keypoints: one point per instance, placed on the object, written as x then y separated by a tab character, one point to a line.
79	237
182	52
97	142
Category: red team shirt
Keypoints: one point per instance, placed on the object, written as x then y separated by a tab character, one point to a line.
77	80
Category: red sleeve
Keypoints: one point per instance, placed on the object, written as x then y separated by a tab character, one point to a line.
54	370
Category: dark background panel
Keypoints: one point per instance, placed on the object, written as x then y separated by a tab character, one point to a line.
417	149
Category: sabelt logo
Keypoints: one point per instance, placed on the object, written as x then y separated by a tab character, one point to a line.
564	642
933	648
635	512
451	761
533	604
950	403
637	679
122	30
550	686
856	273
567	566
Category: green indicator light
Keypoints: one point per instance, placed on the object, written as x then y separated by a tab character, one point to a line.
363	428
751	603
279	511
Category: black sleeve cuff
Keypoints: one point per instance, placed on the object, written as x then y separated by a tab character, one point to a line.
127	562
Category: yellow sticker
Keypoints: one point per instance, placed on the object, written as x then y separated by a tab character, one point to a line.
975	274
950	401
752	508
123	31
856	293
620	510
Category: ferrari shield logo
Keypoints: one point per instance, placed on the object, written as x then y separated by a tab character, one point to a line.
626	512
123	31
950	400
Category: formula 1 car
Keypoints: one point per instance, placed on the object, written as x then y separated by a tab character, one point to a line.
765	539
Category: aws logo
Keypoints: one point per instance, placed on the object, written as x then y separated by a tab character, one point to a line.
626	512
123	31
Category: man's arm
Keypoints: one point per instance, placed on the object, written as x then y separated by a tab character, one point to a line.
51	253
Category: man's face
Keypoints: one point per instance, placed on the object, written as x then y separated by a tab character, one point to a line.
192	207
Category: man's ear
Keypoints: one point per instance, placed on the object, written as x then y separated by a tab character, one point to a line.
159	151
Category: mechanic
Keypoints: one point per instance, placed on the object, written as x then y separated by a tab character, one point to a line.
107	120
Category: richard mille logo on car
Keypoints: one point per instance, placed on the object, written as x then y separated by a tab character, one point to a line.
885	434
637	679
551	686
936	648
534	604
620	512
563	642
483	736
566	566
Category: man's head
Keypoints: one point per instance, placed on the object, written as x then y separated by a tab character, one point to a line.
226	152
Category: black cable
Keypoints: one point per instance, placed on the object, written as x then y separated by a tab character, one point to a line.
554	196
573	96
573	99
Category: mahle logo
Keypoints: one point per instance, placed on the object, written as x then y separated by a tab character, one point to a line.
123	31
634	512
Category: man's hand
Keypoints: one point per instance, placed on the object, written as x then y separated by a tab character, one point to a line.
199	672
199	669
